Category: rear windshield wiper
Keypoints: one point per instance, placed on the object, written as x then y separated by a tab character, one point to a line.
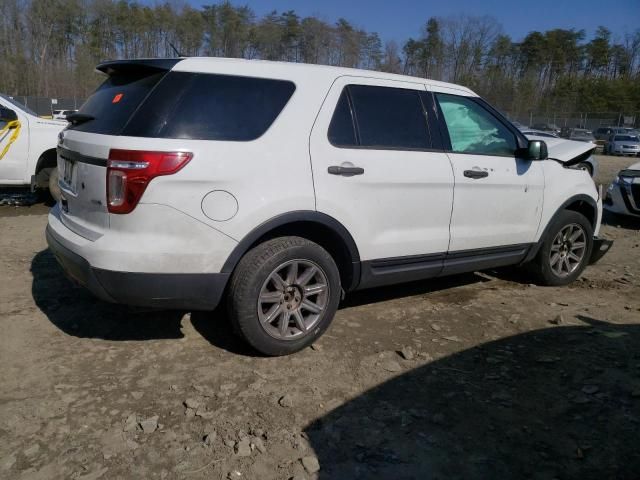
78	118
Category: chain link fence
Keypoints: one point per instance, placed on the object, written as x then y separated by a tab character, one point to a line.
588	120
44	106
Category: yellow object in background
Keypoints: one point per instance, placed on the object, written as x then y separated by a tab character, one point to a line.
15	126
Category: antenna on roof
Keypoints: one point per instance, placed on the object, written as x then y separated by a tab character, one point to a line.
175	50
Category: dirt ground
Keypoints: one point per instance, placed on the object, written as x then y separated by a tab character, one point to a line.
477	376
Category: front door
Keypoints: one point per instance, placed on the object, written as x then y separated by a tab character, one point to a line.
498	196
376	170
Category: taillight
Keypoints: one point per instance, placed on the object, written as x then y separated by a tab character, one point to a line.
130	171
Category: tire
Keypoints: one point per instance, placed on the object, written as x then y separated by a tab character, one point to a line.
54	188
545	265
269	299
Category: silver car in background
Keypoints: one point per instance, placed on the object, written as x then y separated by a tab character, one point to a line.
623	144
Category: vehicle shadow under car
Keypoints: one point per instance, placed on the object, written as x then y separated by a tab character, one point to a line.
77	312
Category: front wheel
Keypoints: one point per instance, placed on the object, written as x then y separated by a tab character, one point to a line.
565	251
284	294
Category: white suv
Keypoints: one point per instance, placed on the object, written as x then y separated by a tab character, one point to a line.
283	186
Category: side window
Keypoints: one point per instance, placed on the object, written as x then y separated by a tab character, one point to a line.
378	118
389	117
342	131
473	129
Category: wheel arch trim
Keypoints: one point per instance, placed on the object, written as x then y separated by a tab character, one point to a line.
307	216
571	200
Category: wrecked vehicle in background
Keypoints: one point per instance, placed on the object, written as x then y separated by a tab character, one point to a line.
623	195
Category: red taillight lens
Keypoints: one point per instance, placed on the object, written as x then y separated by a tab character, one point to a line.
130	171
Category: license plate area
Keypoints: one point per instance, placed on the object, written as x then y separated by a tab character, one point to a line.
68	174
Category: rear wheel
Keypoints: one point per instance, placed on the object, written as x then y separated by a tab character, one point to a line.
284	294
565	251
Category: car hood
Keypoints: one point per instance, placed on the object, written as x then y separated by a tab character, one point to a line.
567	152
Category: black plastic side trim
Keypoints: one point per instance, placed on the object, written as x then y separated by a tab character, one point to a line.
389	271
576	198
293	217
80	158
152	64
483	258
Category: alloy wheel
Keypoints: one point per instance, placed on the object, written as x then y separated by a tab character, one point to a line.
292	299
568	250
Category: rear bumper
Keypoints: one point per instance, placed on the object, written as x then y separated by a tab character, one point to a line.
183	291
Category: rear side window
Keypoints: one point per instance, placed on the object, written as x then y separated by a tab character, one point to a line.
115	100
210	107
379	118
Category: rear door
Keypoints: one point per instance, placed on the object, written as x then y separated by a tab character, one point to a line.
378	169
84	148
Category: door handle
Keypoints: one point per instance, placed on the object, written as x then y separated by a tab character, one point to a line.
476	174
345	171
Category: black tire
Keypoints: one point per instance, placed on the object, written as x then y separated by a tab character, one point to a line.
252	274
541	265
54	188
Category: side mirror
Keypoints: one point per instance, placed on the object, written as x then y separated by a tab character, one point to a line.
537	150
7	115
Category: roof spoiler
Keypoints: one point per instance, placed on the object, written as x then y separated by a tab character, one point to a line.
144	64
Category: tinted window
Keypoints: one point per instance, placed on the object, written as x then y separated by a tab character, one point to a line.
115	100
473	129
389	117
341	130
210	107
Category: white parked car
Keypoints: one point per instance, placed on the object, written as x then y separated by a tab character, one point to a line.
27	147
623	195
62	114
283	186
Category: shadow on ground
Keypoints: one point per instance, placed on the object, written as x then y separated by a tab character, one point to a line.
557	403
76	312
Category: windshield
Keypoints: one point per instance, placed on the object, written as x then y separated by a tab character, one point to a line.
626	138
22	107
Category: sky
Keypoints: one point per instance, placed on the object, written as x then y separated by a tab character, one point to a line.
400	19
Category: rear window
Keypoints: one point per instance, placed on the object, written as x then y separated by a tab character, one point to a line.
115	100
210	107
